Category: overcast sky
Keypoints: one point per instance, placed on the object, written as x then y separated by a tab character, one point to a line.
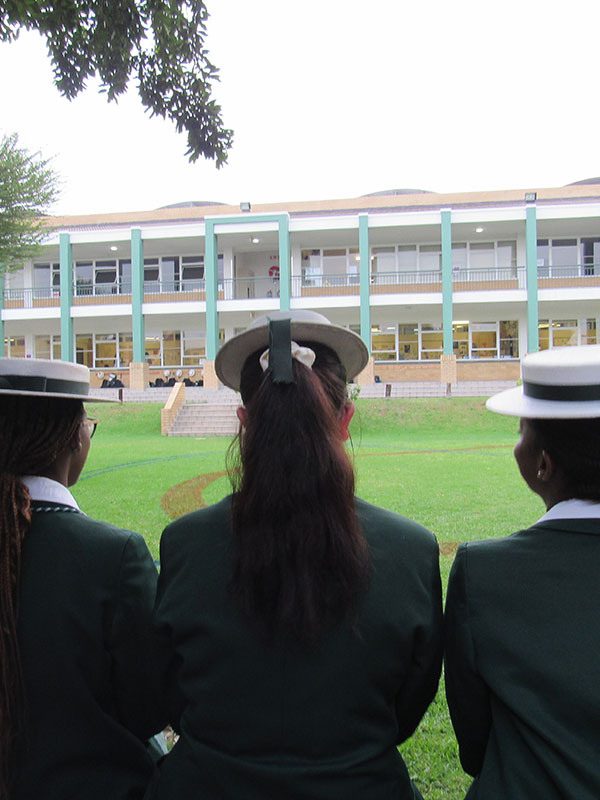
338	98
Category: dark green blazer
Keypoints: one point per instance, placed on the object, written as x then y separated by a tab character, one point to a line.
523	662
86	596
280	721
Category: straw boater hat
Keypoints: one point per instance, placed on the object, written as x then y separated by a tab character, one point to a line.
40	377
557	384
306	326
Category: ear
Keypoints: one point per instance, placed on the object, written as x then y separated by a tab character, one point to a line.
75	443
546	467
346	419
242	415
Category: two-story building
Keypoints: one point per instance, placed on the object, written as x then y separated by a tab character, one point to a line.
440	287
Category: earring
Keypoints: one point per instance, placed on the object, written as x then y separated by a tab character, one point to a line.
539	473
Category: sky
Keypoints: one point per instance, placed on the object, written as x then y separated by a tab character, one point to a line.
335	99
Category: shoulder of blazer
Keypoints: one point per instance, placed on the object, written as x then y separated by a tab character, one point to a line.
217	516
76	523
379	522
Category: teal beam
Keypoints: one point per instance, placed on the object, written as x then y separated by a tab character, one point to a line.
66	298
446	215
137	295
284	262
365	280
533	336
1	318
211	276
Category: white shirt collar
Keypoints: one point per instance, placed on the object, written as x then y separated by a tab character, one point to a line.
573	509
46	490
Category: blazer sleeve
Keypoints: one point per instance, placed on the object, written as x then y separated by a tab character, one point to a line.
130	643
420	686
466	692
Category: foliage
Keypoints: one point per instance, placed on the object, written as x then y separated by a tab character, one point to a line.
28	186
160	43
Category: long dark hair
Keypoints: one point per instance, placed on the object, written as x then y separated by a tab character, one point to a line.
301	561
33	431
574	444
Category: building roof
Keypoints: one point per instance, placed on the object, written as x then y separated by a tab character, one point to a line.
374	203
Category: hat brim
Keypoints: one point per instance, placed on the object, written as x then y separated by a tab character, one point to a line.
513	403
86	398
349	347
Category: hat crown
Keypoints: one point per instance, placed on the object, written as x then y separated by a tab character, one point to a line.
564	366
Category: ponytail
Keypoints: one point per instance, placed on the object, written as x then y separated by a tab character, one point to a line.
301	562
33	432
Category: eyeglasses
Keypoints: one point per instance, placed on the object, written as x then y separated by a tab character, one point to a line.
91	424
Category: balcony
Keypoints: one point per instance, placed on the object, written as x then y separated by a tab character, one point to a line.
568	276
45	297
488	279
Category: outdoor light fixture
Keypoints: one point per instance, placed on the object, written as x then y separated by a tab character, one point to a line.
113	247
255	240
530	197
478	230
245	207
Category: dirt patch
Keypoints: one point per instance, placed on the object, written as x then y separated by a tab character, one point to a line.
448	548
187	496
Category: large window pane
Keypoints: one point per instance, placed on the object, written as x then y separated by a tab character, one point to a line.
84	349
408	341
192	273
482	255
509	339
42	347
194	348
544	334
432	341
430	257
84	277
334	262
125	275
483	340
506	254
589	335
152	350
312	270
543	257
565	254
125	349
170	274
14	346
460	339
106	350
171	348
383	343
564	332
383	259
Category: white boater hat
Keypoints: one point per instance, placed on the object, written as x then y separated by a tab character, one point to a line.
306	326
40	377
557	384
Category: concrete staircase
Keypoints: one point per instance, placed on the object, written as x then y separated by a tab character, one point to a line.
207	419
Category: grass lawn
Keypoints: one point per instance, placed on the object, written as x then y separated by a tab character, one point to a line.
446	463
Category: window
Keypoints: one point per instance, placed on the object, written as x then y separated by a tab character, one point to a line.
430	258
125	276
170	274
589	335
192	273
565	259
106	277
484	336
171	350
84	349
312	270
564	332
590	256
506	254
383	259
14	347
151	275
194	348
84	277
544	334
408	341
46	280
353	267
105	346
431	340
383	343
460	339
152	350
47	347
125	349
482	255
509	339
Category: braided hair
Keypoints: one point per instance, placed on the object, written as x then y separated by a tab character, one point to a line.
33	432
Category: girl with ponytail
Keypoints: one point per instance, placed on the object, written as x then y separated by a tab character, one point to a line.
300	627
75	603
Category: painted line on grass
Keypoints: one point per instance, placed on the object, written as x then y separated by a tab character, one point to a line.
94	473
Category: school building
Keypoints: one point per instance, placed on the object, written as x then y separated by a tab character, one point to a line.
441	287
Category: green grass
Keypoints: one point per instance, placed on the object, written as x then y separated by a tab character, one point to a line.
446	463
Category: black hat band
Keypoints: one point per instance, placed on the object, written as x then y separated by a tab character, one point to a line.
39	383
575	394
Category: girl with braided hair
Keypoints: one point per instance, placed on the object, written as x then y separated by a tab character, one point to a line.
523	625
75	603
300	626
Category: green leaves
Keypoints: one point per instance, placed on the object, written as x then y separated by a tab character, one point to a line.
28	187
160	43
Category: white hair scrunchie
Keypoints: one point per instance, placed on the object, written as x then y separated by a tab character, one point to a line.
304	355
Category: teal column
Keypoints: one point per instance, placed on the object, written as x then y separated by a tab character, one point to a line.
1	318
284	262
365	280
533	340
137	295
66	298
211	279
447	280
